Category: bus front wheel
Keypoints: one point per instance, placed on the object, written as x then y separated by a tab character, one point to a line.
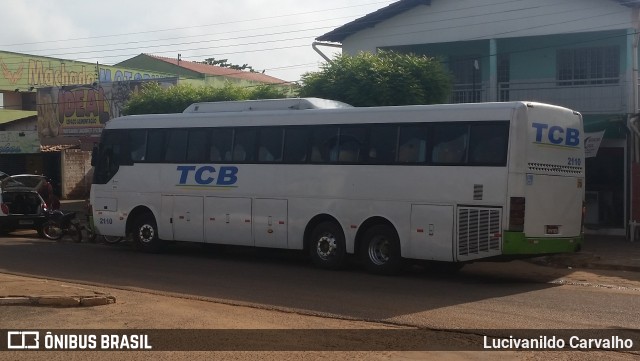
327	246
380	250
145	234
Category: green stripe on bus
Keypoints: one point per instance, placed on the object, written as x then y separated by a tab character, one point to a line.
516	243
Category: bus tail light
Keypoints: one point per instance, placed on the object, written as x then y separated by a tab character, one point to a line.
4	208
516	214
584	214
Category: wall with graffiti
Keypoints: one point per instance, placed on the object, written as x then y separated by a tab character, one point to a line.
23	72
71	110
82	110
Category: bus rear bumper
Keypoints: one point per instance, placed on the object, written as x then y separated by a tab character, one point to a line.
516	243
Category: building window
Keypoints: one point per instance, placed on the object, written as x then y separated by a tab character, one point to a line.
587	66
467	77
504	76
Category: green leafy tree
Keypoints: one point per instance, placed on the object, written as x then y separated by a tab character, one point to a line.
386	78
155	99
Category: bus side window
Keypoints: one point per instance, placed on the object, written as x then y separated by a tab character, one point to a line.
176	146
220	145
412	144
196	149
214	154
155	145
138	145
488	144
244	145
450	143
323	140
383	140
270	144
352	140
296	142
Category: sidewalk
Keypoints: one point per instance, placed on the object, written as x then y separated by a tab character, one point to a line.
599	252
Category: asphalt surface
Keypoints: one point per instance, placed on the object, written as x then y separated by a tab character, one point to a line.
598	253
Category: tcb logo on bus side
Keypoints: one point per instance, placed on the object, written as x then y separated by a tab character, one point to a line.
556	135
205	175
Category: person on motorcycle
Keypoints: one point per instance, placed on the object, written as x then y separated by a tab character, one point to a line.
46	192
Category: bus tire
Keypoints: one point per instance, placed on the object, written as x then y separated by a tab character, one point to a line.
327	246
380	250
145	234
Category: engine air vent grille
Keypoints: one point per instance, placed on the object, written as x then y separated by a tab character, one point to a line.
479	231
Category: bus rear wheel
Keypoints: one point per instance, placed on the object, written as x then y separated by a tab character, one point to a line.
327	246
145	234
380	250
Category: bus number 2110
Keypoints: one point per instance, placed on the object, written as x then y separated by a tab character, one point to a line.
575	161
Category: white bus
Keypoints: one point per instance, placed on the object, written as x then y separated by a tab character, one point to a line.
450	183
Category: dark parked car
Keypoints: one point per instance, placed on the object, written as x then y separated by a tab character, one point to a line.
21	207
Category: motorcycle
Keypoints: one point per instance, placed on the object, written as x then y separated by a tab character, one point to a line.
58	224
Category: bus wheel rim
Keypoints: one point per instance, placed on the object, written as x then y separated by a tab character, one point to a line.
326	246
146	233
379	250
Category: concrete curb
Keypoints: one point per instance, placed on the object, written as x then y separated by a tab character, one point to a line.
58	301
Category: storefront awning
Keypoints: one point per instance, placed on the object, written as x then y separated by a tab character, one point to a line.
613	125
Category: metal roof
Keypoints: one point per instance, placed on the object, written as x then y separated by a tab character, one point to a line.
370	20
337	35
219	71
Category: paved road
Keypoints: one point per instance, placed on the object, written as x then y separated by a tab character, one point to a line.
503	295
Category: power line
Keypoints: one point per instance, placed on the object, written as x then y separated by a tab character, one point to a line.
196	26
528	16
227	32
313	29
397	34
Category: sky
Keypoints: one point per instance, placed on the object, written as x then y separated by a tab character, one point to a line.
274	36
